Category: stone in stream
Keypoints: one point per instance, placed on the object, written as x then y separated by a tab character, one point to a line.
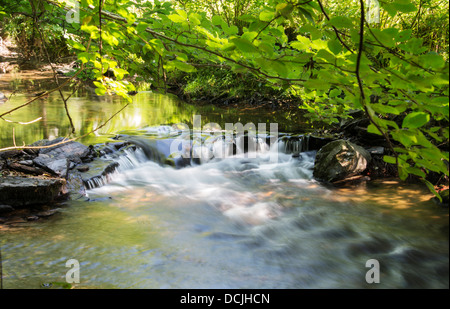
59	159
5	208
339	160
24	191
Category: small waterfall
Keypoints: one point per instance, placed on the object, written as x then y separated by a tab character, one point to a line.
293	144
192	149
116	164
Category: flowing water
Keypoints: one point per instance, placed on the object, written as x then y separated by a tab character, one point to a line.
239	222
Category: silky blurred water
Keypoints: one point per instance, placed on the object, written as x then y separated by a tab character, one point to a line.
238	222
234	223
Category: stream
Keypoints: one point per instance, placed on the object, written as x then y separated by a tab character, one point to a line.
243	221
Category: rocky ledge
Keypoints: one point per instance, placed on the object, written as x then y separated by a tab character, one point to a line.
34	181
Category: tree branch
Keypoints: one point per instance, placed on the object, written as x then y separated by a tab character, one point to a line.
360	83
334	28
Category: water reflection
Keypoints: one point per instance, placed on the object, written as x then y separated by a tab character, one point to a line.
89	111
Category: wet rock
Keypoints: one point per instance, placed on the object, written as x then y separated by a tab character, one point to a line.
26	169
9	154
376	150
24	191
47	213
26	162
56	167
83	168
15	220
339	160
60	158
75	186
5	209
102	178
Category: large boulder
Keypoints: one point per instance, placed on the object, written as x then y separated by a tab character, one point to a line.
340	159
25	191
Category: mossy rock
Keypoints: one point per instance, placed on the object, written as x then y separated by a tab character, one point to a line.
339	160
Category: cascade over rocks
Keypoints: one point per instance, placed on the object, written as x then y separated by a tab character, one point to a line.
339	160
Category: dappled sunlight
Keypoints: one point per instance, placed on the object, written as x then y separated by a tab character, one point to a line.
393	196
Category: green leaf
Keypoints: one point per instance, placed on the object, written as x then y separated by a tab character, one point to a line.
244	45
119	73
85	57
432	190
100	91
334	93
182	14
177	18
195	19
76	45
416	171
390	160
247	18
403	6
266	48
280	68
402	173
384	37
432	61
185	67
406	137
302	43
281	6
89	29
141	27
217	20
335	46
307	14
341	22
404	35
324	54
373	129
110	39
386	109
312	31
415	120
285	9
266	15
